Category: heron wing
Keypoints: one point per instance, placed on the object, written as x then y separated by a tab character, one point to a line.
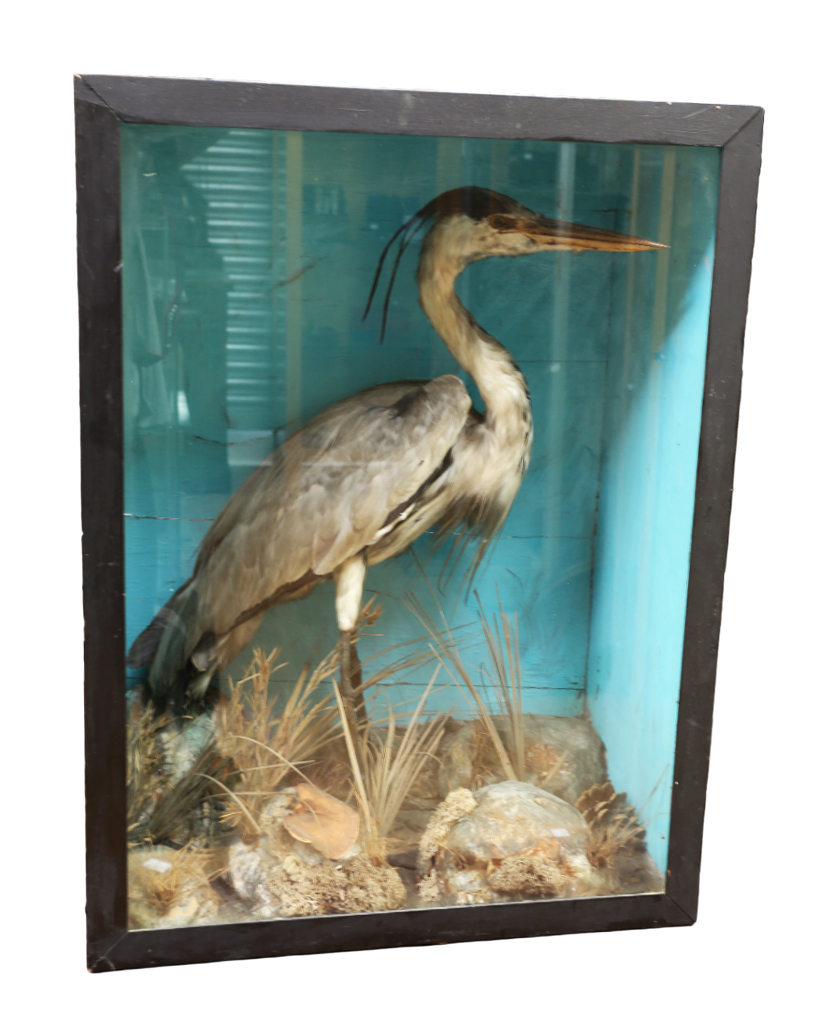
325	494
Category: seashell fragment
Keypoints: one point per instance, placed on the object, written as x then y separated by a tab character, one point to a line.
323	821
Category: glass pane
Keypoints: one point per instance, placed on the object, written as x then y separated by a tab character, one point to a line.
516	665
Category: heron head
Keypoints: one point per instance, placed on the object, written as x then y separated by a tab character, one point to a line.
471	223
478	223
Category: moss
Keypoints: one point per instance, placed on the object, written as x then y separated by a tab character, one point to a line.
455	806
429	888
335	887
530	875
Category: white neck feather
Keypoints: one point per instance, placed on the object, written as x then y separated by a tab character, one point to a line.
501	383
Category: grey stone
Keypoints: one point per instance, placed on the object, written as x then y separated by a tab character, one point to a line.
178	744
251	865
512	817
249	868
520	841
183	741
563	755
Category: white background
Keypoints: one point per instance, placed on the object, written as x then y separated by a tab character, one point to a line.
753	952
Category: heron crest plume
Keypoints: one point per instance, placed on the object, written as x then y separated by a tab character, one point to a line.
471	201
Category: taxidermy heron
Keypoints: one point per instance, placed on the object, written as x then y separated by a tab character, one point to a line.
364	478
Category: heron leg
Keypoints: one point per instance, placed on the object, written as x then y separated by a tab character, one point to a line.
357	684
347	692
349	577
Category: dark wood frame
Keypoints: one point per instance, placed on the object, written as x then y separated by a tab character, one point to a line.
101	103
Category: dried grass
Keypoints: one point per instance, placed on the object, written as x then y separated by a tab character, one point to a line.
504	651
156	810
191	871
409	660
266	747
145	778
190	794
502	645
390	768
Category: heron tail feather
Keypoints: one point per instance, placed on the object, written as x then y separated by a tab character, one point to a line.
167	644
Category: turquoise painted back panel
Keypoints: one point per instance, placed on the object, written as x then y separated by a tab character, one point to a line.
248	258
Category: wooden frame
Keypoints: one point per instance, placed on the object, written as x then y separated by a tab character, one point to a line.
101	104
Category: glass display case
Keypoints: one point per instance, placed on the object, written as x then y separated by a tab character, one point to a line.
405	444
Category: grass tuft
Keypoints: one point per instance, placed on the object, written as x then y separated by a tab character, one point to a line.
145	778
191	871
503	649
265	746
392	763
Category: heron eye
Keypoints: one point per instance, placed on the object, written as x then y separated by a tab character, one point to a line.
499	222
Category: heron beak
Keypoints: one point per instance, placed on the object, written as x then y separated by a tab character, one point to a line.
576	237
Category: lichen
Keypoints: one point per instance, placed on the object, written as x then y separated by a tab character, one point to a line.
455	806
429	888
479	896
467	885
335	887
530	875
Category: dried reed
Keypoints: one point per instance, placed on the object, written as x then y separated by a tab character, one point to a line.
266	747
504	652
390	768
191	871
409	660
190	793
145	778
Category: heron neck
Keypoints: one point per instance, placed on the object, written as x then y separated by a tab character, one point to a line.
499	380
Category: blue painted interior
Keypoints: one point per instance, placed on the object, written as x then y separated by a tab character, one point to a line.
248	257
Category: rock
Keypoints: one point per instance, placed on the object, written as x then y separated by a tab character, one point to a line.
251	865
169	751
183	741
280	876
407	829
469	756
464	886
513	816
519	841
